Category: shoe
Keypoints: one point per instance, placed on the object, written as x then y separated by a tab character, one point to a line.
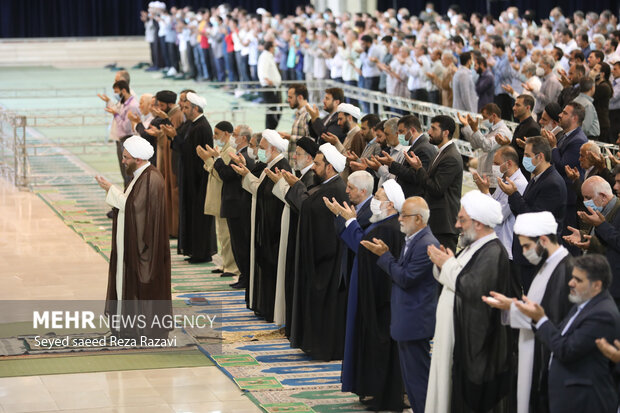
239	286
152	69
217	271
110	66
110	214
227	274
198	260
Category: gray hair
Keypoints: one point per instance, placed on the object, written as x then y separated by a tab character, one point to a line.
599	186
591	146
363	181
529	68
392	125
447	54
123	74
548	60
245	130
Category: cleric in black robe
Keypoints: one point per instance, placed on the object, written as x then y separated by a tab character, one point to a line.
267	223
469	335
196	230
319	299
537	237
305	152
371	366
139	276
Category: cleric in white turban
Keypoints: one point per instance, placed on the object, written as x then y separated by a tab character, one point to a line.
535	224
140	256
483	343
275	140
337	160
395	193
537	234
139	148
196	100
482	208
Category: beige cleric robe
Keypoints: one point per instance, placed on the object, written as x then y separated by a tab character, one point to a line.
251	183
117	199
279	312
164	164
439	391
213	205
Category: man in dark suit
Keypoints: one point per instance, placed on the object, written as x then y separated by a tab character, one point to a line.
442	181
603	216
546	191
565	152
236	205
522	111
580	377
485	85
410	128
333	97
413	298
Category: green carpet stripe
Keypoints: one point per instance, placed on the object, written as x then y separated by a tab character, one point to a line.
97	363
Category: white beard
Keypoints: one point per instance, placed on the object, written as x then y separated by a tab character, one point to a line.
378	217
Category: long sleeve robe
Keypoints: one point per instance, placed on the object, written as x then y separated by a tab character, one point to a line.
439	396
371	364
139	275
319	299
550	288
264	248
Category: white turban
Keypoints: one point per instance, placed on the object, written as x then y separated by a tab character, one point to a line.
139	148
394	193
333	156
196	100
535	224
482	208
349	109
275	140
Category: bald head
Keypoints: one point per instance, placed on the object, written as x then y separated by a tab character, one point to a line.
414	215
597	189
584	158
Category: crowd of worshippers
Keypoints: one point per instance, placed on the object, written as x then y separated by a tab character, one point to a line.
353	234
456	60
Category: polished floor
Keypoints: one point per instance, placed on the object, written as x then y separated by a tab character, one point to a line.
42	258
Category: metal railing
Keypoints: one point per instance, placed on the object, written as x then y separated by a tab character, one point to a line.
13	157
15	151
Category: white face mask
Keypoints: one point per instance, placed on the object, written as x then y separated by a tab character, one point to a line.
540	72
232	142
251	153
375	206
497	171
532	256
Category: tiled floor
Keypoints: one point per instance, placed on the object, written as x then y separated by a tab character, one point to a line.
44	259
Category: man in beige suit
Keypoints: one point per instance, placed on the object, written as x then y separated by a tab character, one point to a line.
213	201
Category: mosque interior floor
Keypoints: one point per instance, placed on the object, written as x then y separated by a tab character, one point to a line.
43	259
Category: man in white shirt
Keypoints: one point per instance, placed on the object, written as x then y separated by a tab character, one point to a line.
269	76
505	165
485	144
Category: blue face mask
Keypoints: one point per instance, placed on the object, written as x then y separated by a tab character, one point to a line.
402	139
528	165
262	156
590	204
